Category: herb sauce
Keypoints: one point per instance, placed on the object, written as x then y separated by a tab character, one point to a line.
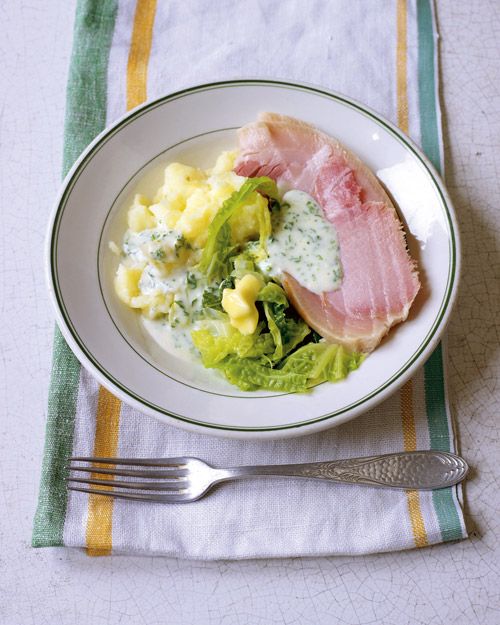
304	244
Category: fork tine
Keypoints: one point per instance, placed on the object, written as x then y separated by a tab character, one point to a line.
166	498
179	485
131	472
135	462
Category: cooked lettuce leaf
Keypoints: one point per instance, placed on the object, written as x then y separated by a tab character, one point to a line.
216	254
308	366
216	339
251	375
217	265
322	362
249	361
286	330
265	228
244	264
273	294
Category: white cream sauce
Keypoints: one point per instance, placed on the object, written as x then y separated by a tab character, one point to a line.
176	341
161	253
173	331
304	244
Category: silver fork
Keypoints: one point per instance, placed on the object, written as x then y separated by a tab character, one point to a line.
185	479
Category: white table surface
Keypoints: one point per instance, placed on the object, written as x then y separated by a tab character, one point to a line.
454	583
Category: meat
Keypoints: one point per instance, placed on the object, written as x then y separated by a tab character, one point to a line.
380	279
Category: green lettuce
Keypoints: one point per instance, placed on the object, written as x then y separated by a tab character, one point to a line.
215	259
323	362
273	294
286	331
251	375
244	264
216	339
308	366
217	265
249	361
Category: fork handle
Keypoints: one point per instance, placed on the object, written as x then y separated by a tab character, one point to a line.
419	470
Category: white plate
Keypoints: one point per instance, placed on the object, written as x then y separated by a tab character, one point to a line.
193	126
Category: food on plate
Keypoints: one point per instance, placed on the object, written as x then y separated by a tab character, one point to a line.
280	267
240	303
380	280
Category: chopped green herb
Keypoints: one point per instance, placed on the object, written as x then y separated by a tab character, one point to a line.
191	280
158	254
181	244
212	296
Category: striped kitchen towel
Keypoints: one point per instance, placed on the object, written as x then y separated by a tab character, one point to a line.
382	53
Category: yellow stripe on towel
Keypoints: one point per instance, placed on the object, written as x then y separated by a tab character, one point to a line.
410	444
401	66
140	49
100	509
99	533
406	393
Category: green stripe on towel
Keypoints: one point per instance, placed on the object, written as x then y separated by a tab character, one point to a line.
429	130
49	518
439	431
85	118
444	503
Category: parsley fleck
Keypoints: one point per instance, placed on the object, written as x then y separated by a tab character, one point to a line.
180	244
191	280
159	254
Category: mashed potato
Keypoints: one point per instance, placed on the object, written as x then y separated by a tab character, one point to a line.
165	236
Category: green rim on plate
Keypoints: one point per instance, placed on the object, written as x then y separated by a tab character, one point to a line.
94	148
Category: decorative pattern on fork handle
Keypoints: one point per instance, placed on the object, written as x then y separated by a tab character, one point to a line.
425	470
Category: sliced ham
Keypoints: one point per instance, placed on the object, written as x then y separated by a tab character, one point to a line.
380	279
